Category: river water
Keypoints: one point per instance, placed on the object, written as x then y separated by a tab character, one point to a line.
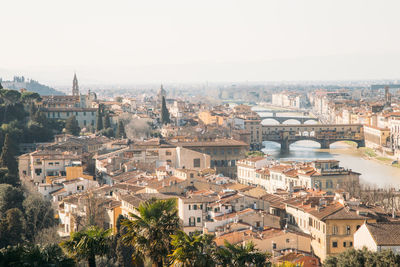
372	172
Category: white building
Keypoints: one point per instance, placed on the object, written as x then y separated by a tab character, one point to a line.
288	99
247	170
378	236
78	185
193	211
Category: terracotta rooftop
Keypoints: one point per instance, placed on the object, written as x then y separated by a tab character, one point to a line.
385	234
218	142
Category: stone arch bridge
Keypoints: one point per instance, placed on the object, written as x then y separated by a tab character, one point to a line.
281	120
325	134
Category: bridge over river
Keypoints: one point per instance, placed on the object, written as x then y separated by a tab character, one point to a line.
325	134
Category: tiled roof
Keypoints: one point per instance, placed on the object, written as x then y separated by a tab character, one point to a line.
233	214
385	234
347	213
220	142
72	109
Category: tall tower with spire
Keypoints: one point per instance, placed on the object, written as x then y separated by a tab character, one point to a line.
75	87
161	93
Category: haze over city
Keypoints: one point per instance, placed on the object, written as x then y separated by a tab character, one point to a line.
128	42
214	133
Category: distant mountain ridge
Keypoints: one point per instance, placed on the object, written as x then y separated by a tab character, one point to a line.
20	82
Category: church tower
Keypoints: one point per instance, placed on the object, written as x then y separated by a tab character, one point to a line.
161	93
75	87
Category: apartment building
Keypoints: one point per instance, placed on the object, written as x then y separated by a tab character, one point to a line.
224	153
376	137
193	211
330	223
289	100
39	165
247	171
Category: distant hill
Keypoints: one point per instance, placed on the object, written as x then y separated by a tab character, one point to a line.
31	85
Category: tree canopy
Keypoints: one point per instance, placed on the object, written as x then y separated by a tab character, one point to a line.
7	157
149	231
164	112
72	126
86	244
364	257
121	130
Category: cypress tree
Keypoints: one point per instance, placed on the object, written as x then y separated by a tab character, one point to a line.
107	121
99	124
72	126
164	112
7	158
121	130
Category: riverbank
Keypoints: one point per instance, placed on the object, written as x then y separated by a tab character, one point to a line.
371	154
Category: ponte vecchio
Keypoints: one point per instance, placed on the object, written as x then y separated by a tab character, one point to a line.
285	135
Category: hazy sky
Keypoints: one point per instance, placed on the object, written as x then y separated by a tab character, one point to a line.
127	41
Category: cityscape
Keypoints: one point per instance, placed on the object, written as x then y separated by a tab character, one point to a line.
187	163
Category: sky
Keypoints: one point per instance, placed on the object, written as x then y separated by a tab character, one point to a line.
130	41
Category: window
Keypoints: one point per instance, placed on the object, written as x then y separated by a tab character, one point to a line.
348	230
236	151
273	245
344	244
351	243
201	206
233	163
196	163
168	153
310	222
198	219
92	113
191	175
192	221
56	163
92	122
67	113
84	122
190	207
195	207
287	240
76	113
51	163
358	226
334	244
334	230
222	151
38	171
84	113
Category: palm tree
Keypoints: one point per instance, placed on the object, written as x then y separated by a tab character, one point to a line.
194	250
85	245
150	229
241	255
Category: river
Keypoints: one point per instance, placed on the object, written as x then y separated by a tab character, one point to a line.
372	172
